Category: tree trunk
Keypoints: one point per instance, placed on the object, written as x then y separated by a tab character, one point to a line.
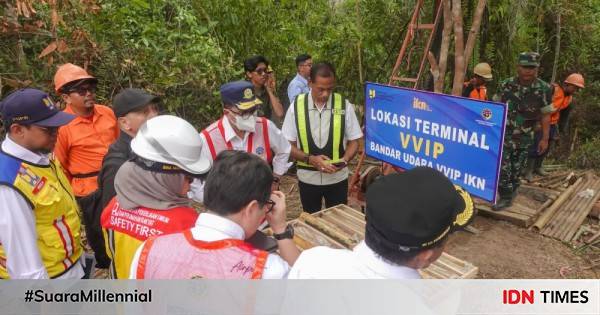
459	46
438	86
474	30
556	49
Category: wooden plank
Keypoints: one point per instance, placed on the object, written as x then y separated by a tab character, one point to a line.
506	215
344	221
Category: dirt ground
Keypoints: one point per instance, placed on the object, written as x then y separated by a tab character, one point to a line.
501	250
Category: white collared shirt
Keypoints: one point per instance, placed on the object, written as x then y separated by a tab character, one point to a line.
18	235
280	146
210	228
361	263
319	120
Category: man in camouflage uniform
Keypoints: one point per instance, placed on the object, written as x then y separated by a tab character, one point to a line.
529	102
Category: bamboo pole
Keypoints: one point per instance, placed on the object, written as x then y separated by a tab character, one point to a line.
570	212
554	223
345	227
328	229
582	214
545	217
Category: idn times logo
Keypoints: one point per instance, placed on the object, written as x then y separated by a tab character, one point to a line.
514	296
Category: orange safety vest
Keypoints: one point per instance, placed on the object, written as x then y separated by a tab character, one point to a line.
560	101
478	93
215	138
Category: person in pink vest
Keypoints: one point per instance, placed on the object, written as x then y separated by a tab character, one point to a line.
238	198
151	189
241	129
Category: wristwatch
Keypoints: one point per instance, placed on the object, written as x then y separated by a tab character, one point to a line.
287	234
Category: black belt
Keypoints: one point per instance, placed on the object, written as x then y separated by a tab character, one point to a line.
86	175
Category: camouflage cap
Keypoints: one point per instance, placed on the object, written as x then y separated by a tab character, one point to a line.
529	59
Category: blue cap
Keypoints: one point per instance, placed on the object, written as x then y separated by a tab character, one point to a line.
240	94
32	107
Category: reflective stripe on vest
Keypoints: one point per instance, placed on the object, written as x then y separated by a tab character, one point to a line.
215	139
180	256
125	230
57	224
559	101
334	148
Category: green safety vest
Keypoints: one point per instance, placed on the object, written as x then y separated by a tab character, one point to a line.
334	148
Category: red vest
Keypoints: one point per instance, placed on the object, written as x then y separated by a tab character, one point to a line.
180	256
258	141
125	230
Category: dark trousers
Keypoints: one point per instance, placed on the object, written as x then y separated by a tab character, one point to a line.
312	196
536	141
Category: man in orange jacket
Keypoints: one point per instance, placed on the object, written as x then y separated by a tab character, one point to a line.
561	99
475	88
82	143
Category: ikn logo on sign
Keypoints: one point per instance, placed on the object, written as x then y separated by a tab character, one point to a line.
514	296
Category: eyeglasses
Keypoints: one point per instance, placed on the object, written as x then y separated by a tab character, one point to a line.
270	205
83	90
48	130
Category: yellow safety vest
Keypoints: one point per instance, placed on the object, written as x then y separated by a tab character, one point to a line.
334	148
47	190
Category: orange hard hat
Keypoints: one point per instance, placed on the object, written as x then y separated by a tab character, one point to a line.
576	79
68	73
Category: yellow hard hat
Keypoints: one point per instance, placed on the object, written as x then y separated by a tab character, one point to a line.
576	79
483	70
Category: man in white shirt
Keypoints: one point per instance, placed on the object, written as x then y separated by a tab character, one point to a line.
409	217
299	83
238	198
324	135
39	217
241	129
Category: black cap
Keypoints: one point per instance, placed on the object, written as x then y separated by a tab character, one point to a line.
129	100
32	107
416	209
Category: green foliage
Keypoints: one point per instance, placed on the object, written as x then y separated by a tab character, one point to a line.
184	50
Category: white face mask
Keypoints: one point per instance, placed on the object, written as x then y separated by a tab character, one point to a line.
246	124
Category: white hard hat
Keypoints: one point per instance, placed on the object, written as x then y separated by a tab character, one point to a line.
171	140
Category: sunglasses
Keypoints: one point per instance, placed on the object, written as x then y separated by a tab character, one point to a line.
83	90
270	205
263	71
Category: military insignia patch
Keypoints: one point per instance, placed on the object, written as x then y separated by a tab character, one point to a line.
248	93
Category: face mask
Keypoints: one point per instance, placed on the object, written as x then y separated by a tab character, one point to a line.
246	124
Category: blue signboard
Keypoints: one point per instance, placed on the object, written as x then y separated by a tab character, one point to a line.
460	137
